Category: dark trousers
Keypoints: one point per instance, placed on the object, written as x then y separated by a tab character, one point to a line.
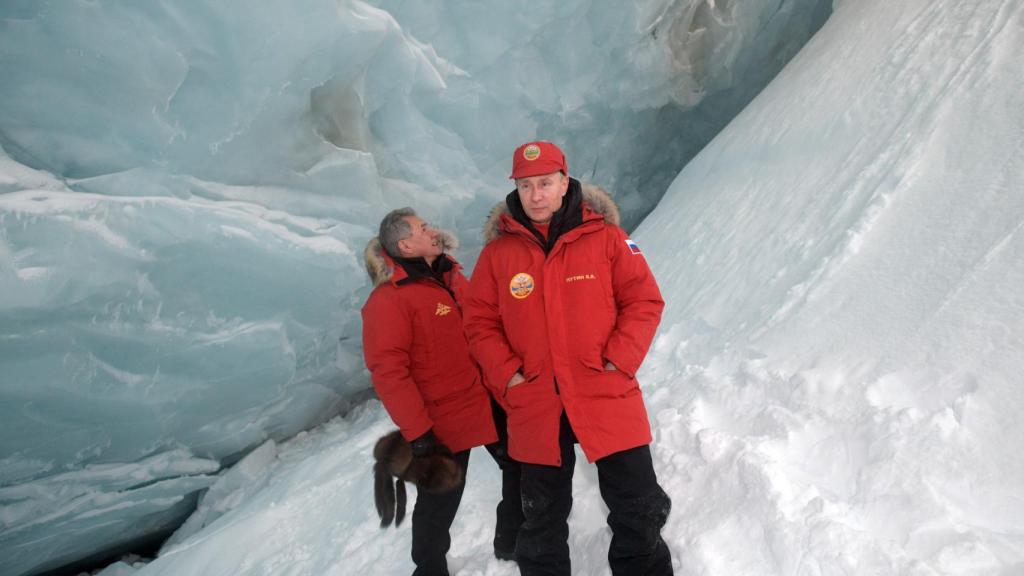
434	513
509	512
638	508
431	521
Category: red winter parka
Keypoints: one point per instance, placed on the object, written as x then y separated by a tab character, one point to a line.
415	348
558	318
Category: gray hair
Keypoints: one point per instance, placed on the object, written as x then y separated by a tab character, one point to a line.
395	227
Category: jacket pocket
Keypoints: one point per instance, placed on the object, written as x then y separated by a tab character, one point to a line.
517	391
597	382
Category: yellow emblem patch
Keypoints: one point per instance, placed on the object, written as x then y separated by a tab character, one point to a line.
521	285
531	152
442	310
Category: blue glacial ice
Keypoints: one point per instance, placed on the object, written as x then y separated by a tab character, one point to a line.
185	188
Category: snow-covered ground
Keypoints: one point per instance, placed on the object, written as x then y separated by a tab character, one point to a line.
835	387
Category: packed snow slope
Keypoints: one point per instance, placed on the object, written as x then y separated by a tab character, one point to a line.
185	188
835	387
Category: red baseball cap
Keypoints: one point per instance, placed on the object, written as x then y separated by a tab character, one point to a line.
537	158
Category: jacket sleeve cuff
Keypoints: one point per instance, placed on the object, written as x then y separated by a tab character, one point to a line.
414	430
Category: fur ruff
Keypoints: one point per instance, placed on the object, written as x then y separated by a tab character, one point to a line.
380	268
598	199
395	465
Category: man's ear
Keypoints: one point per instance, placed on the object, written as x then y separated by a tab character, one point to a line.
403	247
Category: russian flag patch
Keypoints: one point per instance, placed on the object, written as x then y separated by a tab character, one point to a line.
633	248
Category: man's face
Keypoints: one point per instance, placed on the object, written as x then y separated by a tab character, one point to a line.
542	195
422	243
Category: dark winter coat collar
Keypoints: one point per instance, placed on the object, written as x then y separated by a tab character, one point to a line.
418	269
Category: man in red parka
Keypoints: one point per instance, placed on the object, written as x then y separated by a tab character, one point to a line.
562	308
415	348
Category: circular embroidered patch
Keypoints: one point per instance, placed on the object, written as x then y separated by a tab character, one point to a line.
531	152
521	285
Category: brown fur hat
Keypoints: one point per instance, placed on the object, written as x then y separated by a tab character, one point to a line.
393	458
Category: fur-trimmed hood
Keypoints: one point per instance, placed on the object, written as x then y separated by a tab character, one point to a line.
594	197
381	267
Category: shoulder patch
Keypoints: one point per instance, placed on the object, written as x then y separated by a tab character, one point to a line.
633	248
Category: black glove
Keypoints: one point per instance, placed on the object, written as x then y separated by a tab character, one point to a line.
425	445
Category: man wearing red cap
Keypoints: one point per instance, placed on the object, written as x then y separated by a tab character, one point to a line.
561	310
